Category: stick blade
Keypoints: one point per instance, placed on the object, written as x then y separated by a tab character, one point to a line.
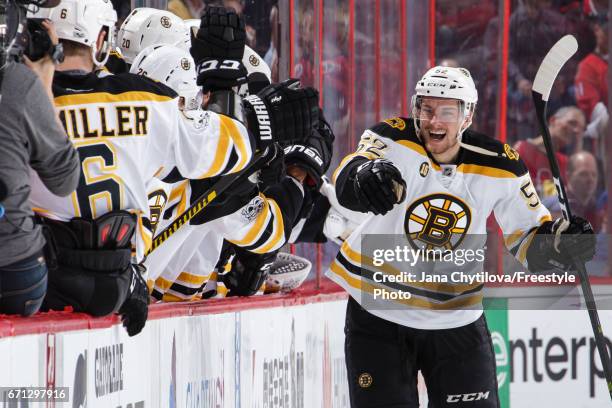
558	55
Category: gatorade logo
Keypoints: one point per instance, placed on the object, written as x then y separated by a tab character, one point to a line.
263	118
437	221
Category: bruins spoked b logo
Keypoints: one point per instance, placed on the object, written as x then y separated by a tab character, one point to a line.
437	221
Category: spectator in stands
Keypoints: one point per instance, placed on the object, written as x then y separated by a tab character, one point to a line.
188	9
534	27
31	136
582	179
566	129
592	82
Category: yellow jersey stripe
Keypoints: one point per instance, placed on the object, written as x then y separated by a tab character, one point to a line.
105	97
186	278
221	154
232	129
522	252
361	285
279	230
162	284
358	259
464	168
256	229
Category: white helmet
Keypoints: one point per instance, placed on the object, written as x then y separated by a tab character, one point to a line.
173	67
259	74
145	27
447	83
81	21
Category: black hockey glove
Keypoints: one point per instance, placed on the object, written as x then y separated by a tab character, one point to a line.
249	271
217	50
379	186
135	309
273	173
221	36
557	244
314	155
282	113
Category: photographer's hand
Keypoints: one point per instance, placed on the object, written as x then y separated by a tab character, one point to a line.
45	67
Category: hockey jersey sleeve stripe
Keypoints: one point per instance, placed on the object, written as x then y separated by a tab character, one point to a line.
228	125
337	269
279	231
524	246
105	97
348	159
221	154
514	238
256	230
358	260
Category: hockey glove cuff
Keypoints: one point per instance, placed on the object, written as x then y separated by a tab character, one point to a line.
135	309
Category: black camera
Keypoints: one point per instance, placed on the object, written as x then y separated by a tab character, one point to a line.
30	37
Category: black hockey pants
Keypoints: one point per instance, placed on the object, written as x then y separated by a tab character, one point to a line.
383	359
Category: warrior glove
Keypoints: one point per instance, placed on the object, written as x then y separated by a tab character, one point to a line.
379	186
282	113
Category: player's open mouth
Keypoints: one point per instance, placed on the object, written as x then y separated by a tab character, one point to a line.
437	135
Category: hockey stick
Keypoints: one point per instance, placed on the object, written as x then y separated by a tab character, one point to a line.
216	190
558	55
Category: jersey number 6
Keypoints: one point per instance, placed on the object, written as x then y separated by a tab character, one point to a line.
97	182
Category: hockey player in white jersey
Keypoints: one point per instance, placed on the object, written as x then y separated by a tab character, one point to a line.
127	130
431	183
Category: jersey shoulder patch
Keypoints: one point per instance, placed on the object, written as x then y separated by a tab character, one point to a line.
491	153
396	129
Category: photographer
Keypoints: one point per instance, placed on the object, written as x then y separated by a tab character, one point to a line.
31	136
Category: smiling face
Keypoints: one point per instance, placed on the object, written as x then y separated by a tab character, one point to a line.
440	121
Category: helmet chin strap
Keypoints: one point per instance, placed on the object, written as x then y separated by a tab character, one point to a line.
105	50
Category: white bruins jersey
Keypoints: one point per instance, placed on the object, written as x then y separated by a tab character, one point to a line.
182	265
127	130
446	208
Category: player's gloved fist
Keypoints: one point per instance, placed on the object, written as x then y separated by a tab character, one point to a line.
379	186
220	74
557	244
135	309
249	271
314	155
221	35
273	172
283	113
574	239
